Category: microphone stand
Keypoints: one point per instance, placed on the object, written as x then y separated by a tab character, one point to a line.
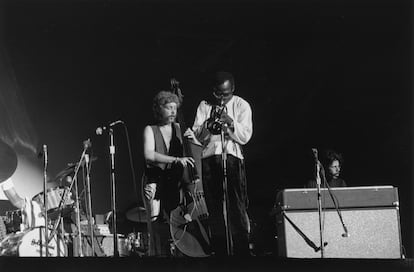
112	174
45	159
89	202
229	240
86	145
78	221
113	191
318	186
338	210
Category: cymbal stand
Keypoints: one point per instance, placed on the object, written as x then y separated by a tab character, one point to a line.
45	161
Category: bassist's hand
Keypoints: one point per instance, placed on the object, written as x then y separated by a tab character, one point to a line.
185	161
189	133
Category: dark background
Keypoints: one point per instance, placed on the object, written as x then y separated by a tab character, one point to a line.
323	74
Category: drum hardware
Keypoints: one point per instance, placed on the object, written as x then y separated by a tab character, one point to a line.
137	214
54	197
30	243
13	221
108	247
137	243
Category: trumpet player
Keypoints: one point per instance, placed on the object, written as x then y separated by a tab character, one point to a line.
231	115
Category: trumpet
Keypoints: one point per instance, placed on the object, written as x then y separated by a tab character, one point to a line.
214	123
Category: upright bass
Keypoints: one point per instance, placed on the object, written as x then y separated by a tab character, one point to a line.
188	222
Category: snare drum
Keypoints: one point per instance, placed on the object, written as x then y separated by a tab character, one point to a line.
54	196
30	243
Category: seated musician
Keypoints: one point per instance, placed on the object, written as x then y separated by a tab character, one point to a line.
31	210
164	162
331	169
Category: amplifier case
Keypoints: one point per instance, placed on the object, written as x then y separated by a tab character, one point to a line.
374	232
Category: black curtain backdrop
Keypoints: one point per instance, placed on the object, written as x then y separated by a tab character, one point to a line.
318	74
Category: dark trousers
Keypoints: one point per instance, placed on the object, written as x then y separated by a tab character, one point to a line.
237	204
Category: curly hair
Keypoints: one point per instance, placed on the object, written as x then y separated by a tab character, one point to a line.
162	98
331	156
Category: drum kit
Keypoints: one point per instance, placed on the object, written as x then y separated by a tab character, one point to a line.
64	236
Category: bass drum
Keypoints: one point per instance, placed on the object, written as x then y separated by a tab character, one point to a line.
30	243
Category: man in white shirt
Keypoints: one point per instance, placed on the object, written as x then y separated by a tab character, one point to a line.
31	210
233	115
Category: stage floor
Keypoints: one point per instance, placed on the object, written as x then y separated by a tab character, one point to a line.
254	264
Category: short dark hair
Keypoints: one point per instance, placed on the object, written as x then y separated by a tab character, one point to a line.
221	77
160	99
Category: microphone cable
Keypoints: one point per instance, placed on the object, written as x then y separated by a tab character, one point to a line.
337	208
131	161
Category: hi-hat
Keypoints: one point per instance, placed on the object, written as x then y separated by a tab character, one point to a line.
137	214
8	161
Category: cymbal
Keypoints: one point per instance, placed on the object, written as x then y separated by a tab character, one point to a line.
65	172
8	161
74	164
137	214
69	170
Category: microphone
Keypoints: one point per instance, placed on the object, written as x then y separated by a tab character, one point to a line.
99	130
87	144
45	152
346	233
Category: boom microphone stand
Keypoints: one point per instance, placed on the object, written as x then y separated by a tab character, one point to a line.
86	145
99	131
335	202
113	190
89	203
78	221
318	186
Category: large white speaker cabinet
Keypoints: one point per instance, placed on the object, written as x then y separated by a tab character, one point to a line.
370	215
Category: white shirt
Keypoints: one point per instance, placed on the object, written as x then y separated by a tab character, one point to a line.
239	110
31	212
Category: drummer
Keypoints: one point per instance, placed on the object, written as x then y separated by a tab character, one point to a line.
31	210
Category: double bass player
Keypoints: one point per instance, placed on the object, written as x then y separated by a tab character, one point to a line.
164	163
